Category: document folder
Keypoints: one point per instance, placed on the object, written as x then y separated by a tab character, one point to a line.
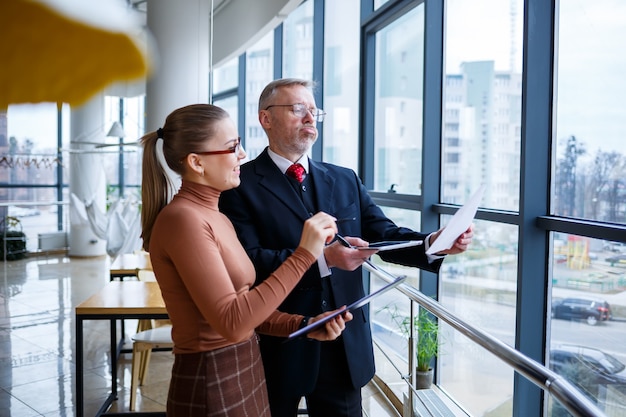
355	305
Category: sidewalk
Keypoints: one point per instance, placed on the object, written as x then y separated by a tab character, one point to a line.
617	301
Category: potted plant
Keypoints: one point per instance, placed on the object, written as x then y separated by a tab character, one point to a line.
426	331
13	239
426	347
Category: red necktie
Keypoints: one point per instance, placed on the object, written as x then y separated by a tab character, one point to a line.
296	171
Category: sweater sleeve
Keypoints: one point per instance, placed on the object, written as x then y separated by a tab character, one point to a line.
280	324
217	275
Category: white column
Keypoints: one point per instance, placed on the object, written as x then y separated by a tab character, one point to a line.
87	176
181	33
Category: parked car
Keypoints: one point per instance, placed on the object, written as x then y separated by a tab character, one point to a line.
588	368
589	309
616	259
617	247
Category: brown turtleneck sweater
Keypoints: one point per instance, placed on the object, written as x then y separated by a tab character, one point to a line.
206	276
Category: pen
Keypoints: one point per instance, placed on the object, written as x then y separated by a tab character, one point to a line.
343	241
368	264
345	219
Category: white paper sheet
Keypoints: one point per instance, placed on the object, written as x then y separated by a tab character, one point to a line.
458	224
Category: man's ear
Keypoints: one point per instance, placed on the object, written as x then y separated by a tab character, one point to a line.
265	119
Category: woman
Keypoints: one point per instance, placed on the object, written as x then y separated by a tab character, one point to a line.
204	273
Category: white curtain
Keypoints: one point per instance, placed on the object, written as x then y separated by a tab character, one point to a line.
120	226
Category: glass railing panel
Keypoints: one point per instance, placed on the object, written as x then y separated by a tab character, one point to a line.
387	310
480	287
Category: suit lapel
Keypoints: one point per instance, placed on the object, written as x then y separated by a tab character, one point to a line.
324	186
270	178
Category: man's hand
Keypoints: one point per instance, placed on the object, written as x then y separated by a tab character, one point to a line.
460	244
349	259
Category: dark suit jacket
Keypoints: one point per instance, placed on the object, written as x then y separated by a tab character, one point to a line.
268	215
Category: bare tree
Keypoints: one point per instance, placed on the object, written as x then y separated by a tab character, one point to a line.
565	181
616	190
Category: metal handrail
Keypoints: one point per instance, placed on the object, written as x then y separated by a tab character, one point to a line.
567	394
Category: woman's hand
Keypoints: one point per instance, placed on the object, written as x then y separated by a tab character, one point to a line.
318	230
332	329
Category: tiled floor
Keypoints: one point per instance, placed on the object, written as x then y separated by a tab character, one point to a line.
37	344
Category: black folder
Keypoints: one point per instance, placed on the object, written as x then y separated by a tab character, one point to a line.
354	306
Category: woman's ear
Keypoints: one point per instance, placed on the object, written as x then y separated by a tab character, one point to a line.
194	163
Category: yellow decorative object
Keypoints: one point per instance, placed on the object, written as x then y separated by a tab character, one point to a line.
578	253
65	51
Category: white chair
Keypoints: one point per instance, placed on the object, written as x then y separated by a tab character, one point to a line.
147	275
143	343
151	334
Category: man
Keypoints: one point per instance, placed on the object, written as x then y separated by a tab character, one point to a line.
268	210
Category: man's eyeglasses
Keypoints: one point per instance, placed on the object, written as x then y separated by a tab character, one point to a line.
233	149
301	110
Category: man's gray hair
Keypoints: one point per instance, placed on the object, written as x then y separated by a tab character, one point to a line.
270	90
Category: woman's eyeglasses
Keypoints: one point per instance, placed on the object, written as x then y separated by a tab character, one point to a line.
234	149
301	110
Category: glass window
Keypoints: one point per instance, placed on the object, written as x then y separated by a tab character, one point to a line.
122	164
29	146
298	42
341	83
110	157
226	76
33	215
30	158
590	177
398	103
587	326
230	105
259	72
480	287
379	3
482	101
404	218
134	126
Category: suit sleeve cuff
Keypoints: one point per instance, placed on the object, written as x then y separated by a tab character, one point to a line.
431	258
323	266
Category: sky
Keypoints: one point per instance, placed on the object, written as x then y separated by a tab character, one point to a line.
591	63
33	121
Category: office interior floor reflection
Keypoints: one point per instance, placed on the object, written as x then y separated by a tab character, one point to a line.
37	344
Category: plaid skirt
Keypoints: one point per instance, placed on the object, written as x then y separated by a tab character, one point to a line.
224	382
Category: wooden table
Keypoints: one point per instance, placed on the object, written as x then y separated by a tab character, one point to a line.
118	300
128	264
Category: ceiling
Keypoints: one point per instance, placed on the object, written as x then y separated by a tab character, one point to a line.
142	4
